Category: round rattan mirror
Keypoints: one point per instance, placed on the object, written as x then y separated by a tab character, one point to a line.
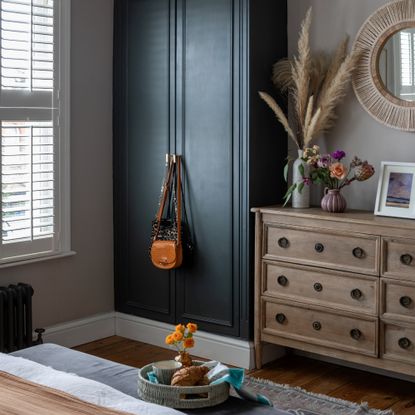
384	81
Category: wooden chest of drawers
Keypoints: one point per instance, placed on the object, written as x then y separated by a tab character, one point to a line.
340	285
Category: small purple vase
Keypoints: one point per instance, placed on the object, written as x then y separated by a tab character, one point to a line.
333	201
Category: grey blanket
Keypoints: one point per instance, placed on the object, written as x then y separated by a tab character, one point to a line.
124	378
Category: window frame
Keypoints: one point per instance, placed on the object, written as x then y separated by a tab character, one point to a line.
61	241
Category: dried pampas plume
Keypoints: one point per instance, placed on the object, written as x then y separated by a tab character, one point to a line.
315	84
279	113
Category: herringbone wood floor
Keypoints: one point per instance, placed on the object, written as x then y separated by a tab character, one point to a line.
379	391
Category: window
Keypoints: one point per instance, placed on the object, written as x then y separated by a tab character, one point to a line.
34	133
406	86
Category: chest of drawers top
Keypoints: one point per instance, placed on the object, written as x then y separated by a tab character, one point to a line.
360	221
356	241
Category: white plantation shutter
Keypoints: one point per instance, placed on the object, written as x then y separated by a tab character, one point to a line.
407	61
32	152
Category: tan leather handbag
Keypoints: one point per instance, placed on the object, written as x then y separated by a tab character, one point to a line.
167	253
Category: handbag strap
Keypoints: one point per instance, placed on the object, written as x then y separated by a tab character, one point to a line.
166	191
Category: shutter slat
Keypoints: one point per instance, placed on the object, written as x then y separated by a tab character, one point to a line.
27	44
27	168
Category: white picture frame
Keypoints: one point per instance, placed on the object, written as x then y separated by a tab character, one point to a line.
396	190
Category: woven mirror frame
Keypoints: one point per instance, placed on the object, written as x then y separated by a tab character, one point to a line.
367	82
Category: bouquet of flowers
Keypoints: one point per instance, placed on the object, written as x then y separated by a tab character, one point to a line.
331	171
182	339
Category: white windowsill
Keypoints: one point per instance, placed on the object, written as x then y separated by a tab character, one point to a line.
15	263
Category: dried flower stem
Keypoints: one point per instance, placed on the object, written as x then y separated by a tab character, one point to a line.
279	113
315	86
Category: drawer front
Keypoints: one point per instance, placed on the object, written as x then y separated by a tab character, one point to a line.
398	300
398	258
399	343
319	327
355	293
351	252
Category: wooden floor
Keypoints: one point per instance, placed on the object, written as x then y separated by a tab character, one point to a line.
319	377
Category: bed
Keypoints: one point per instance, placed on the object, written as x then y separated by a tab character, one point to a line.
123	378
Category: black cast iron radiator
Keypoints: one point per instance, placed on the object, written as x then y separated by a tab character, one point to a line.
16	318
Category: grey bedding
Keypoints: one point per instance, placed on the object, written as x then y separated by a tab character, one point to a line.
124	378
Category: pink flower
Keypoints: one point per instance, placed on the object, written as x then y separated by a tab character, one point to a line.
338	171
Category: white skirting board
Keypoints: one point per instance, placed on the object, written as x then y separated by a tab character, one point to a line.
228	350
76	332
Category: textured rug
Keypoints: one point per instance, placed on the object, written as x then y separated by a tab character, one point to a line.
306	403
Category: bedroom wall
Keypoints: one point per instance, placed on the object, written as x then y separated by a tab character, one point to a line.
356	131
82	285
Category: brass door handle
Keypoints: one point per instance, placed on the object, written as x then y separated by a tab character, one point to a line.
356	294
316	325
406	259
355	334
283	242
404	343
358	253
282	280
405	301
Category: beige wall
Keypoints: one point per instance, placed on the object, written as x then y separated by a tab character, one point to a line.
82	285
356	132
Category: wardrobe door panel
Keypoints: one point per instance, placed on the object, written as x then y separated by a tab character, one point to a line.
141	288
207	291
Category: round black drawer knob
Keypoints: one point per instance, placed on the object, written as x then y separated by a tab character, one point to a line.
319	248
358	253
280	318
404	343
355	334
283	242
316	325
405	301
318	287
406	259
356	294
282	280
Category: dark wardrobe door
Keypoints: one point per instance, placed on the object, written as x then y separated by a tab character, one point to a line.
184	83
142	129
208	291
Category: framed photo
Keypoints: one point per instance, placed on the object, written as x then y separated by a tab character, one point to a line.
396	190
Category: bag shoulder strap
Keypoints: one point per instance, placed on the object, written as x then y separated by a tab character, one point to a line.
166	191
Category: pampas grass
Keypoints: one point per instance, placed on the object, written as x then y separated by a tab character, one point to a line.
315	84
279	113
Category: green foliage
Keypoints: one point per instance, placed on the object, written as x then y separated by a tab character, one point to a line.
289	193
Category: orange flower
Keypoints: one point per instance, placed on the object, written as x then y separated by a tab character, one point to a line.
192	327
188	343
177	336
338	171
169	339
180	327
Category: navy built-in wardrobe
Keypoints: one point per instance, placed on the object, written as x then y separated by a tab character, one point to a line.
186	76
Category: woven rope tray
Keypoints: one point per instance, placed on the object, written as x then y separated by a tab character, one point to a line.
185	397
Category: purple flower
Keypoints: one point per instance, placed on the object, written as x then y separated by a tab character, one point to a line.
338	155
324	161
307	181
